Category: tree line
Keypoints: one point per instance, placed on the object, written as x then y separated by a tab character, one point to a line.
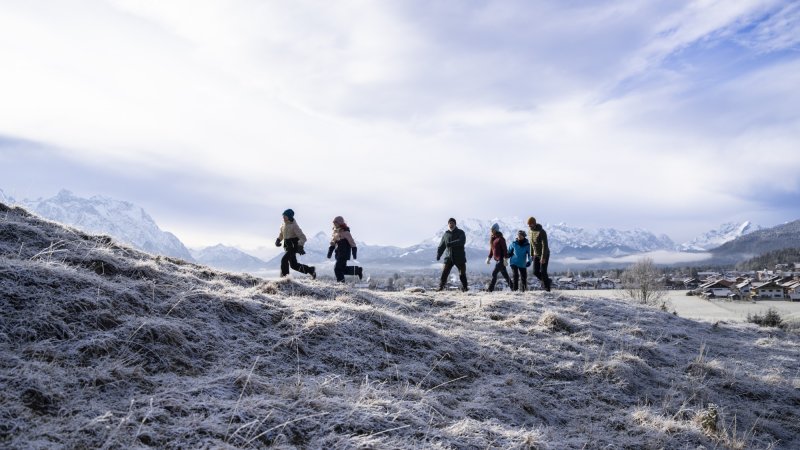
770	259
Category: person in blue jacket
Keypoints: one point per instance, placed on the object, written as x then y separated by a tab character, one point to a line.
519	253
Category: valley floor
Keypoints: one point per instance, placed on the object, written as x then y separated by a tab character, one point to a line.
694	307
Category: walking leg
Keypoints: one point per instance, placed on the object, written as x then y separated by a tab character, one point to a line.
445	273
462	274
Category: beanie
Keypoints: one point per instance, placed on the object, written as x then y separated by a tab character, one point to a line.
531	221
451	220
338	220
495	227
289	213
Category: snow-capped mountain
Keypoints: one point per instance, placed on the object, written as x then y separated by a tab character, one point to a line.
6	198
714	238
316	248
228	258
121	220
564	241
581	242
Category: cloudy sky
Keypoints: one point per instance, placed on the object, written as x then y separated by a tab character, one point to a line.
215	116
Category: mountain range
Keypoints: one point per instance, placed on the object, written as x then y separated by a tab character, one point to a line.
121	220
725	233
130	224
759	242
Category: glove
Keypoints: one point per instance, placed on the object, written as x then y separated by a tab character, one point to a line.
438	256
301	250
355	252
278	242
489	260
330	251
528	264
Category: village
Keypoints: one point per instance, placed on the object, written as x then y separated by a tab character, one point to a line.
780	283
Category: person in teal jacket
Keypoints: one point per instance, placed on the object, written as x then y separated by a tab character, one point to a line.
520	259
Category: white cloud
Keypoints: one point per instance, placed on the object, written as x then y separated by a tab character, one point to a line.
400	110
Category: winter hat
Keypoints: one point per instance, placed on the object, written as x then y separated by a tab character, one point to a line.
531	221
451	220
522	233
338	220
289	213
495	227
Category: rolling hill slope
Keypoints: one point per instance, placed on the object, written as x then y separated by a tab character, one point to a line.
104	346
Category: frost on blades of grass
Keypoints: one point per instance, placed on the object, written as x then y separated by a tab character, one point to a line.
104	346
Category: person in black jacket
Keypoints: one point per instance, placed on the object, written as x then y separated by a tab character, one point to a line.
343	244
452	246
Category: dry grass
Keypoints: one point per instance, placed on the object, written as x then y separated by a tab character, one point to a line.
103	346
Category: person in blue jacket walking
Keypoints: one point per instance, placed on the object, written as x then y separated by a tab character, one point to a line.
520	259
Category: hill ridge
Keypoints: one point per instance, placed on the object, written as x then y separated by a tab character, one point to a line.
107	346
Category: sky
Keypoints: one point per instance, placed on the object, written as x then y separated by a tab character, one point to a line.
215	116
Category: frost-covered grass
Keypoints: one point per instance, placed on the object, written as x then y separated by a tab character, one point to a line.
103	346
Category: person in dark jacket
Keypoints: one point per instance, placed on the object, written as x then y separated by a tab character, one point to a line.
498	251
520	259
342	243
452	247
540	252
293	241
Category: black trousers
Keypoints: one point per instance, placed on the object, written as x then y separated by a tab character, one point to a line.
290	260
519	273
501	269
540	272
341	269
462	273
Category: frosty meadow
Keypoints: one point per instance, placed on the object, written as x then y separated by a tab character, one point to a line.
105	346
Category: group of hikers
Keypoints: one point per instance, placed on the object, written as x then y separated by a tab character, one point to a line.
520	254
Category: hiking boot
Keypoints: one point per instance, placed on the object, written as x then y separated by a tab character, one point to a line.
360	272
547	284
313	272
464	289
440	288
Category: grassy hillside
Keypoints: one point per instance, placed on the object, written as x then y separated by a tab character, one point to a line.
103	346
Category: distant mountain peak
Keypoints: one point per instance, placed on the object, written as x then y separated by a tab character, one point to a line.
724	233
6	198
119	219
228	258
